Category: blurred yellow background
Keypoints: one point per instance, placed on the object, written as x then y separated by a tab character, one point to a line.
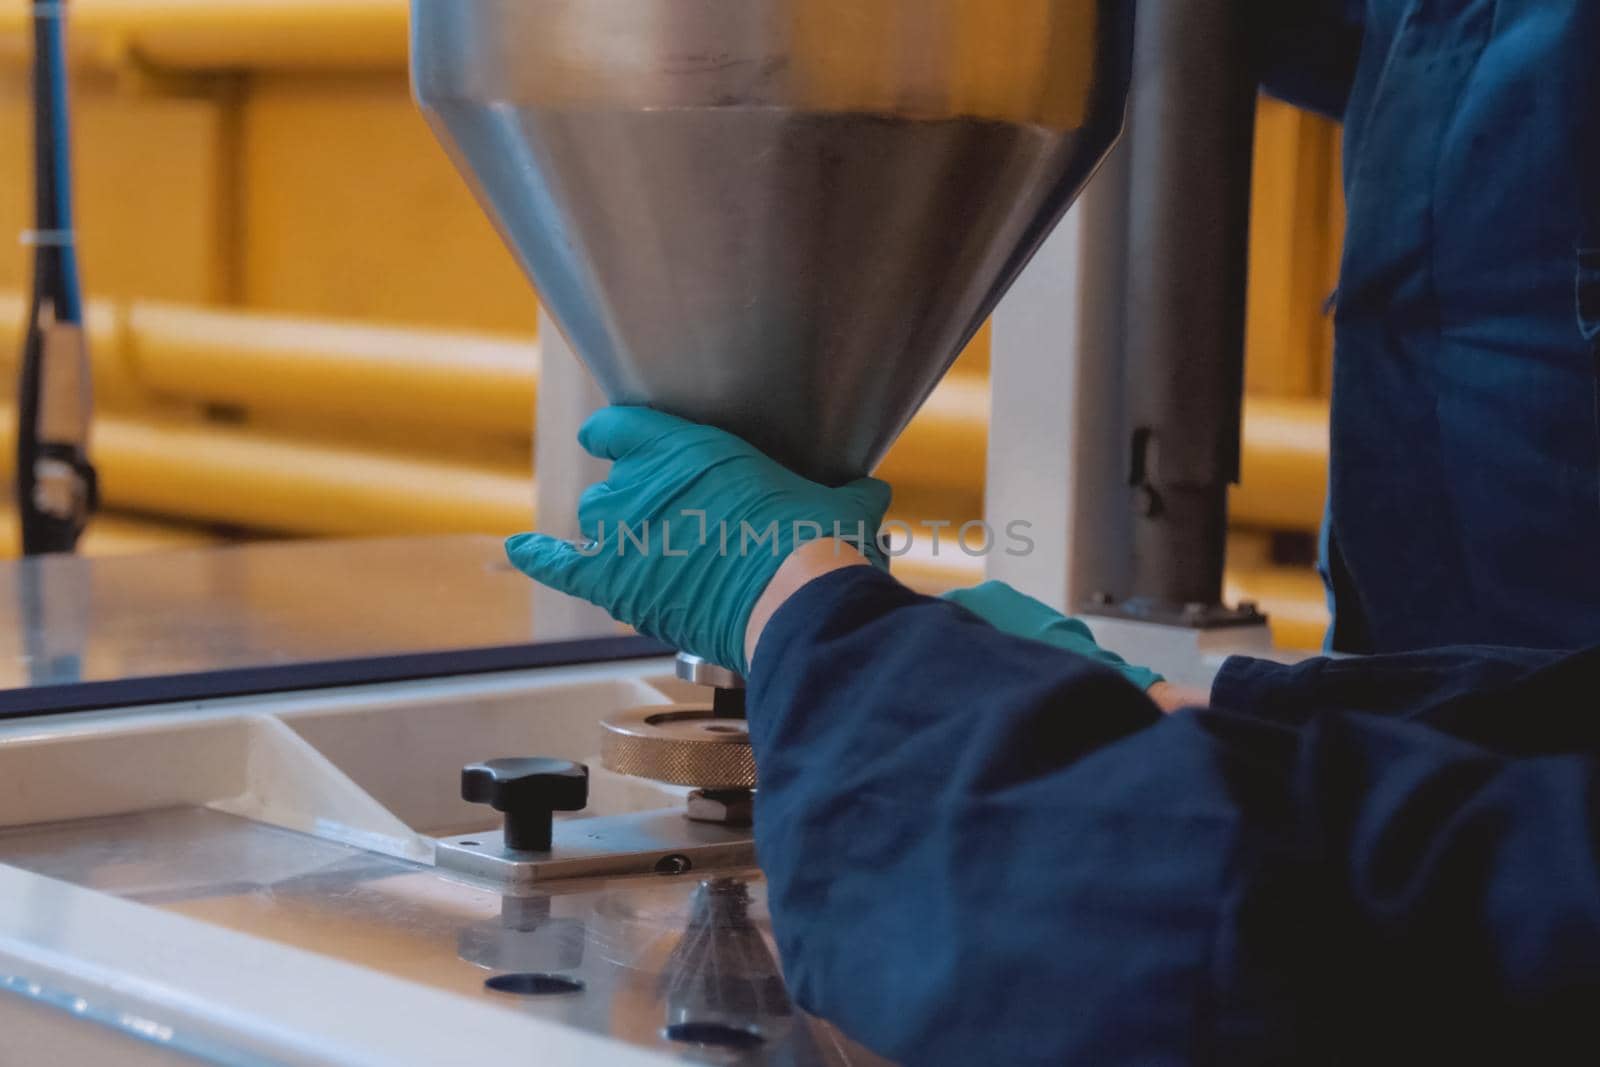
303	326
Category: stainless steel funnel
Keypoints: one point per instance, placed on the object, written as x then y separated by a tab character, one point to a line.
782	217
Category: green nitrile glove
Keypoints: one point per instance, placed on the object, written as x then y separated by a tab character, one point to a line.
1009	611
689	529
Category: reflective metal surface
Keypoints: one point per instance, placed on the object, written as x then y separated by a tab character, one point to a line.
650	842
783	217
637	959
78	632
697	671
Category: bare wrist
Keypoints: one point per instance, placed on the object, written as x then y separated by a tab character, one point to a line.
805	565
1171	698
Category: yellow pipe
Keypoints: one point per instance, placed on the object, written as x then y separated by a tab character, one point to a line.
473	384
467	382
239	477
1293	252
456	381
1292	597
1284	479
213	474
228	34
947	444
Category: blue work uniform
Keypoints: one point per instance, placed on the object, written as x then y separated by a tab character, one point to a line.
1464	501
1026	863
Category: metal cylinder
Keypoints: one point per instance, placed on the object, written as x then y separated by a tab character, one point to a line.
1191	134
681	744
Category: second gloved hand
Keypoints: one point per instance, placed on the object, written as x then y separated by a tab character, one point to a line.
1009	611
690	528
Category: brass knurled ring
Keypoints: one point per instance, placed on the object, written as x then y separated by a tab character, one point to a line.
680	745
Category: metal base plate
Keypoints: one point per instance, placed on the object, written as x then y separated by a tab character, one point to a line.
652	842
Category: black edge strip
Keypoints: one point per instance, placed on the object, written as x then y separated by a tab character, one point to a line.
288	677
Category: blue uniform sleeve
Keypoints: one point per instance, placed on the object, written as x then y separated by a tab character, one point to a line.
1406	684
1307	50
982	849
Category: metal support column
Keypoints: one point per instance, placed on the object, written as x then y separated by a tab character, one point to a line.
1056	382
1190	137
562	470
1117	370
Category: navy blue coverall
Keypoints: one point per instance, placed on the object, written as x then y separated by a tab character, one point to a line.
982	850
1024	862
1464	502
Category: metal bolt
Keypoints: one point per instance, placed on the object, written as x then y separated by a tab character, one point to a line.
673	864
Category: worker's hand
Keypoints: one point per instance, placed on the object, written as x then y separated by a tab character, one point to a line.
1002	607
689	529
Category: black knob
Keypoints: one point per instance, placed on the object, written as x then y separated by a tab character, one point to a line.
528	791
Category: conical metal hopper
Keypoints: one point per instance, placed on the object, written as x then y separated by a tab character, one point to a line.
782	217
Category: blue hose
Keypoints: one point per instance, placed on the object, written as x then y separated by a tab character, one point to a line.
56	486
70	288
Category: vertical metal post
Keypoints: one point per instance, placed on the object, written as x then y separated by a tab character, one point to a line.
1056	381
1118	364
1190	137
562	470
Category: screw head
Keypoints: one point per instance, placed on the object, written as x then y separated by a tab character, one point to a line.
674	864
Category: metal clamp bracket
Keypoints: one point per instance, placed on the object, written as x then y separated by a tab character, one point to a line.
652	842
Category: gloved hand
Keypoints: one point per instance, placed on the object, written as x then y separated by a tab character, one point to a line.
689	529
1009	611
